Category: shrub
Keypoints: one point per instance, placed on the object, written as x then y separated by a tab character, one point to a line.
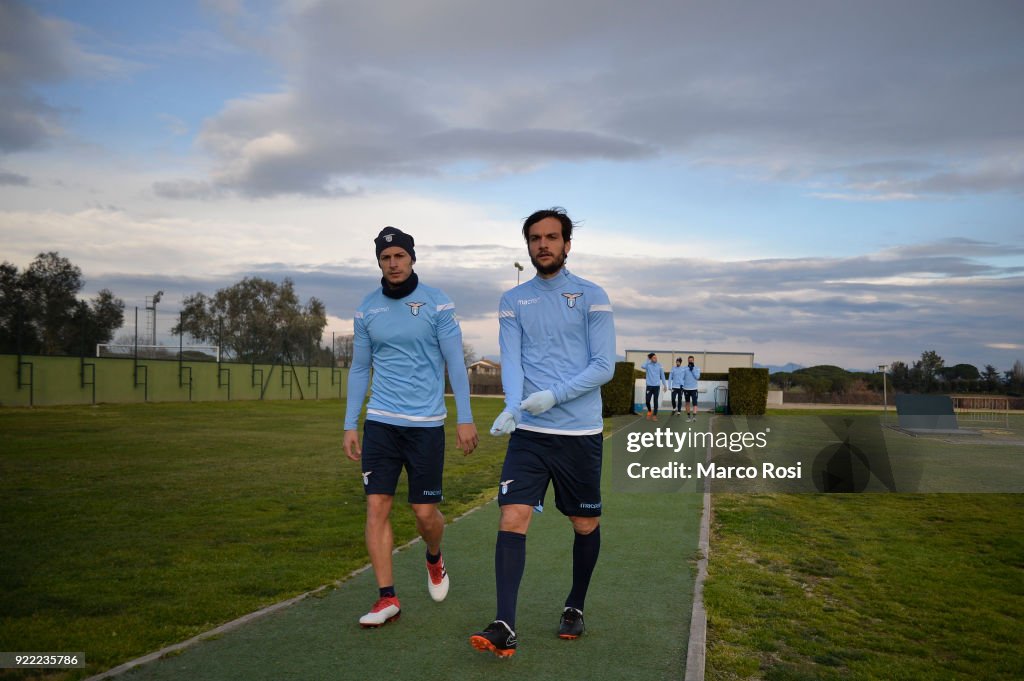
617	394
748	391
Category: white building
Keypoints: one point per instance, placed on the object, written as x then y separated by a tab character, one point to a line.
710	394
708	361
484	367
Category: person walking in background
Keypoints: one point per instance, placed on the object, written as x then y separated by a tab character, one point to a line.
675	383
655	381
691	374
407	332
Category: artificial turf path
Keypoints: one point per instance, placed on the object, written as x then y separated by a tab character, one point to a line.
637	614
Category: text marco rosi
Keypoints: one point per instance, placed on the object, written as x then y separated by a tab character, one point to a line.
664	438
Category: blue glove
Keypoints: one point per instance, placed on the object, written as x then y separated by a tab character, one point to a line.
504	424
539	402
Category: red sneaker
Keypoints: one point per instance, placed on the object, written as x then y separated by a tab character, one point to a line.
384	610
437	580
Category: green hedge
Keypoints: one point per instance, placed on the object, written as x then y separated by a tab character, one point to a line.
748	391
617	394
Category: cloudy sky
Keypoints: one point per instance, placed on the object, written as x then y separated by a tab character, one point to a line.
812	181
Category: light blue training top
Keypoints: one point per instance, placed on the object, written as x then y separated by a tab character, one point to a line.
407	341
690	377
655	373
675	377
557	334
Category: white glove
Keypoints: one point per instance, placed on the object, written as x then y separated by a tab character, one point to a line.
539	402
504	424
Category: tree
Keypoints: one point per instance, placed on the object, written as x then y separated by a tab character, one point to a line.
822	379
990	379
12	307
872	380
816	385
782	379
468	353
961	372
40	311
51	285
320	356
899	374
256	320
343	350
1015	382
962	377
931	364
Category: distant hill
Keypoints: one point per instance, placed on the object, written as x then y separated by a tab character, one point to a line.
772	368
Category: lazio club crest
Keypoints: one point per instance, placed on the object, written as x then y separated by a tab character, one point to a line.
570	298
415	308
504	485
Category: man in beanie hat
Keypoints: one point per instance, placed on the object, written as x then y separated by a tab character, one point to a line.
408	332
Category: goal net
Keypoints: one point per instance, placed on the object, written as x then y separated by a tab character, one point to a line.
202	353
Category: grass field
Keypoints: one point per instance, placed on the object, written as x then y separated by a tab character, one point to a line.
130	527
869	586
637	611
126	528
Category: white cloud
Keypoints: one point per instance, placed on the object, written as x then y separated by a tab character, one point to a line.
379	90
853	103
37	50
859	102
849	311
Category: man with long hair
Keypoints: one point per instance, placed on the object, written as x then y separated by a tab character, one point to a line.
557	340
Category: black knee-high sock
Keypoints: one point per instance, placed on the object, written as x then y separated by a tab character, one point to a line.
585	549
509	564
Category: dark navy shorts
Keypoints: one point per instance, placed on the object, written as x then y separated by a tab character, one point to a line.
571	462
387	449
691	396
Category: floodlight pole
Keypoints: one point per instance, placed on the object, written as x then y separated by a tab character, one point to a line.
519	268
151	302
885	398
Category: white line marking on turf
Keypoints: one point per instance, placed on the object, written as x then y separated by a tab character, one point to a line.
696	650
